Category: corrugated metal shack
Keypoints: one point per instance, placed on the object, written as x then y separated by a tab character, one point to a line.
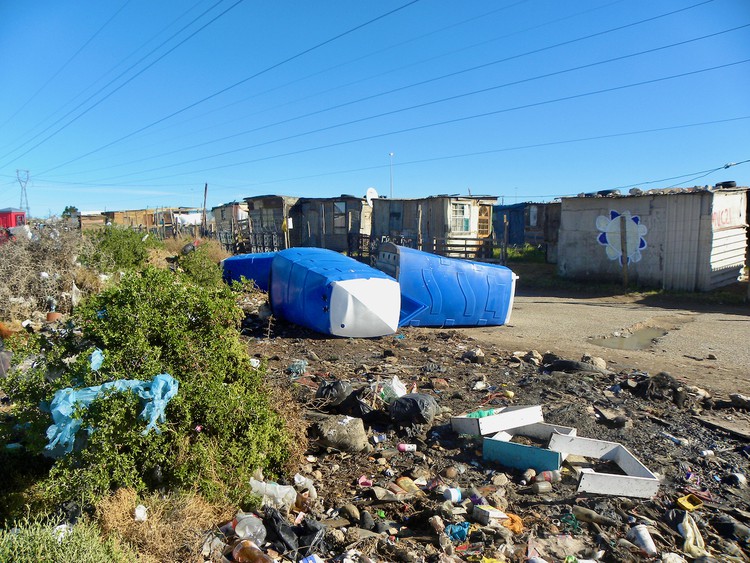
448	225
690	239
528	223
265	229
227	220
335	223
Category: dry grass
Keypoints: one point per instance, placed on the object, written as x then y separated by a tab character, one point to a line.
34	270
214	250
174	531
281	397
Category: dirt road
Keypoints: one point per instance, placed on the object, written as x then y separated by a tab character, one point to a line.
704	345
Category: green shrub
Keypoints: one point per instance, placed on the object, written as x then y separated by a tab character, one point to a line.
118	248
199	266
33	540
219	427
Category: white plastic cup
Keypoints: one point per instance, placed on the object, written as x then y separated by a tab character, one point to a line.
453	495
641	537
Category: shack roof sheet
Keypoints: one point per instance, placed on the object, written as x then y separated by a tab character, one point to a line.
636	192
11	210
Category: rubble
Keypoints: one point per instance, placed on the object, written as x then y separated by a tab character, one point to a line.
450	497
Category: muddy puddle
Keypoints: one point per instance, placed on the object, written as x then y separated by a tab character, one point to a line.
637	340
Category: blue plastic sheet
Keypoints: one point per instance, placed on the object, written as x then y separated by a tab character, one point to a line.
156	394
97	359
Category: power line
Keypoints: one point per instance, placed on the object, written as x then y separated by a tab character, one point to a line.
526	147
105	97
420	83
457	156
392	112
64	66
244	80
465	118
379	51
92	84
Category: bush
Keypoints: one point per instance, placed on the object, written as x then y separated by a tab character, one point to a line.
220	426
34	539
33	270
118	248
199	266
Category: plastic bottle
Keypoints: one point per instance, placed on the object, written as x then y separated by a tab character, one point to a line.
527	476
541	487
551	476
407	447
586	515
641	537
248	526
247	552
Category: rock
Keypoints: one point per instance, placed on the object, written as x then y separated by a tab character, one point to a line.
342	433
366	521
533	357
350	512
475	356
595	361
740	401
500	479
440	384
450	472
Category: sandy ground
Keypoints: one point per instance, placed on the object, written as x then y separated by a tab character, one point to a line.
695	336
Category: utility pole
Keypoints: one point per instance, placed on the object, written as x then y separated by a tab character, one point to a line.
23	179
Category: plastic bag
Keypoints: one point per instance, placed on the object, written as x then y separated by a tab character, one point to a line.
414	408
97	359
280	533
392	390
62	433
274	495
333	392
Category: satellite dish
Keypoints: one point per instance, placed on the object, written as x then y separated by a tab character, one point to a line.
371	194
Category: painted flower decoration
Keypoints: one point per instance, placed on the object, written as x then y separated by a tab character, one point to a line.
611	239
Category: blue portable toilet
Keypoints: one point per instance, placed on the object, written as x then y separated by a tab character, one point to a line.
333	294
256	267
437	291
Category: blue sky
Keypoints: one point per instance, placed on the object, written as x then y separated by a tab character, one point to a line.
132	103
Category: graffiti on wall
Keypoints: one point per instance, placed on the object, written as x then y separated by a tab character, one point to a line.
610	236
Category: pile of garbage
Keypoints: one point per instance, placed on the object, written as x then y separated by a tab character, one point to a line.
545	459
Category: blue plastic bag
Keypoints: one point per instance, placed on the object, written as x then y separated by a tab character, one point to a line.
97	359
62	433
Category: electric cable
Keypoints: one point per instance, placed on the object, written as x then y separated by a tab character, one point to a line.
133	77
459	119
244	80
383	114
452	74
65	64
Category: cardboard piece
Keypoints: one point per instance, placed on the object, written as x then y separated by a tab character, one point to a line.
637	482
503	418
500	449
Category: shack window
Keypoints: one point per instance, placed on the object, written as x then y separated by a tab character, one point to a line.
459	218
485	215
339	217
20	220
